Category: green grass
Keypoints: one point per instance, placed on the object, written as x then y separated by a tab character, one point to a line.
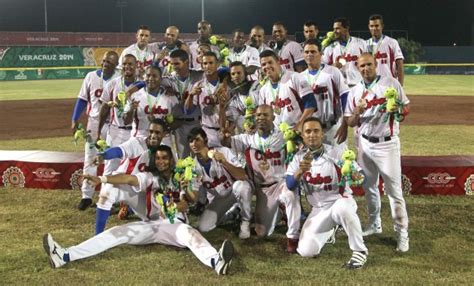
39	89
52	89
440	252
439	85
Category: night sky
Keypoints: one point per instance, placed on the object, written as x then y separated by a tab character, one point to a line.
437	23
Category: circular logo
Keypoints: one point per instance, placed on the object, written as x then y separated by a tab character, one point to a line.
13	177
469	185
75	180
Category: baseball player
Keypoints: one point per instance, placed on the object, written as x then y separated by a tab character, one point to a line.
240	52
379	146
386	50
204	30
172	43
330	91
149	103
134	155
89	97
113	106
265	164
142	50
257	39
286	91
222	177
289	52
142	194
343	53
311	32
315	169
204	96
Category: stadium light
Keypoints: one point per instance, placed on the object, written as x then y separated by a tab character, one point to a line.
46	15
121	4
202	10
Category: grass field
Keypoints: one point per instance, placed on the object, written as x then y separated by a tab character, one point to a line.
441	249
50	89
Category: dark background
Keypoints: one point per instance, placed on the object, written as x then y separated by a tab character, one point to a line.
429	22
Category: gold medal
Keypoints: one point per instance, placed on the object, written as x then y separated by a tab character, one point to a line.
264	165
342	61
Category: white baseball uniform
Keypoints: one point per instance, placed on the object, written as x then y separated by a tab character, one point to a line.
265	159
331	205
182	87
379	149
386	51
142	201
249	56
237	102
290	53
91	91
347	55
118	132
286	97
194	63
223	190
328	84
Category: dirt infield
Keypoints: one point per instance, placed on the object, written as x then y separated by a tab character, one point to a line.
51	118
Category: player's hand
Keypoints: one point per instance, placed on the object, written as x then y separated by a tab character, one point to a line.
305	164
228	130
219	157
99	159
341	134
196	90
361	106
91	180
338	65
74	126
162	54
134	104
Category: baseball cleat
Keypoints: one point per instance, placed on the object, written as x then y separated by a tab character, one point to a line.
403	243
292	245
54	251
374	228
84	204
358	259
244	230
226	252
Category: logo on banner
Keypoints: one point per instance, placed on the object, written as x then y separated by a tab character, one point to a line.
45	173
3	52
439	180
406	185
75	180
469	185
13	177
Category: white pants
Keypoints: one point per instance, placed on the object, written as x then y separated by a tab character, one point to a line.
89	154
115	137
212	137
214	214
383	159
182	137
317	227
331	132
266	212
147	232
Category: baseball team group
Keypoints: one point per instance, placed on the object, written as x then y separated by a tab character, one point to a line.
242	130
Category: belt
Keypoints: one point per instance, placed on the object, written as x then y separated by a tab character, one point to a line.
329	125
185	119
213	128
125	127
376	139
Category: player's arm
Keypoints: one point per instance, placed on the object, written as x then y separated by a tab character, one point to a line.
237	172
130	110
118	179
296	169
103	114
136	86
189	105
309	101
300	66
400	70
81	104
297	57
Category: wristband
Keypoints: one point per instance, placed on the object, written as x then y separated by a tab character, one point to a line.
103	179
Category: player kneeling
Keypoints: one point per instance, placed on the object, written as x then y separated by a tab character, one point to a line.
315	169
161	203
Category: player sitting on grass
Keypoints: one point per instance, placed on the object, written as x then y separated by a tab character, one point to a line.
157	226
314	169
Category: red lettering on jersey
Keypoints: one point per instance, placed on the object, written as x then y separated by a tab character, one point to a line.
216	182
156	110
284	61
165	62
380	55
207	100
375	102
316	180
98	92
321	91
142	167
147	63
348	58
268	155
281	103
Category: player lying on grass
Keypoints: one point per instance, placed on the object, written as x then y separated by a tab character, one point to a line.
315	170
161	203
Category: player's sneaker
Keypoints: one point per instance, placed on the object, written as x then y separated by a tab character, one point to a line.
357	260
226	252
84	204
332	238
403	243
244	230
292	245
54	251
375	228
